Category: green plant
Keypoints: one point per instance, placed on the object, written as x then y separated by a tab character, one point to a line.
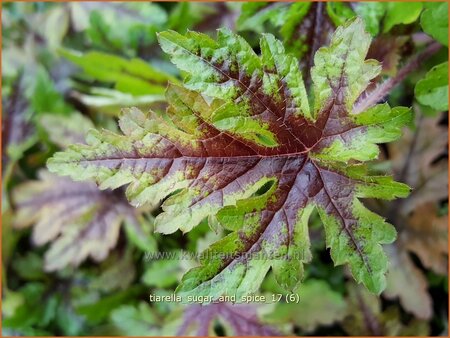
259	131
253	142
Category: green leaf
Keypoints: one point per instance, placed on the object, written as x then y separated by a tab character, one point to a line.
242	144
137	320
162	273
372	14
434	21
100	309
138	23
433	89
133	76
29	267
140	234
255	14
318	305
45	98
401	13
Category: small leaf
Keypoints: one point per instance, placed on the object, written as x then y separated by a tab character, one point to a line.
433	89
401	13
434	21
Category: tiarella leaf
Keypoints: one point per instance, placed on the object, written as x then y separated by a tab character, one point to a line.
230	70
250	151
77	218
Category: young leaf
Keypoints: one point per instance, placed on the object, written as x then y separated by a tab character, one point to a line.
80	220
253	127
433	89
434	21
401	13
236	319
138	23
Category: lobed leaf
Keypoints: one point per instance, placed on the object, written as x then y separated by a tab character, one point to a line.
80	220
242	144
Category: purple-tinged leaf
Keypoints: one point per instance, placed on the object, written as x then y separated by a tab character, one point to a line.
78	219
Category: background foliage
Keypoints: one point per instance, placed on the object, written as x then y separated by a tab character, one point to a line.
75	259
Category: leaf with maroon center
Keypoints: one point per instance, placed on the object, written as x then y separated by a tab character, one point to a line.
241	145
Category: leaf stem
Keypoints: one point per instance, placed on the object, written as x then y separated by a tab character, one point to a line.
367	100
